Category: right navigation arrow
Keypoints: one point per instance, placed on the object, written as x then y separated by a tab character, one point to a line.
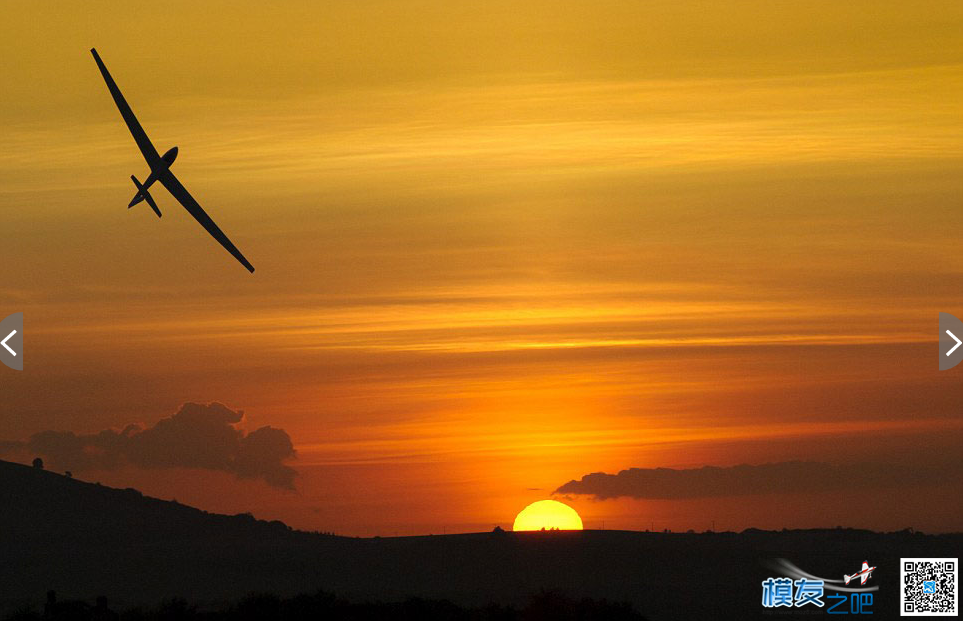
958	343
951	354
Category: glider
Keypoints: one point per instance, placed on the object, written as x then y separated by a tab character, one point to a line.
160	170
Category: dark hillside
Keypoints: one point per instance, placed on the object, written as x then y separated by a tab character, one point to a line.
85	540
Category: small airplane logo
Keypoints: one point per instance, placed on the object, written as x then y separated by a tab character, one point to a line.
863	574
160	171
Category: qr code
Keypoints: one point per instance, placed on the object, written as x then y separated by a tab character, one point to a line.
930	587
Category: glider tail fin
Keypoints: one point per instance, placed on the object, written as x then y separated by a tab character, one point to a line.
143	194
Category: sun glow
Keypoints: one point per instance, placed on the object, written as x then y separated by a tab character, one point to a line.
547	514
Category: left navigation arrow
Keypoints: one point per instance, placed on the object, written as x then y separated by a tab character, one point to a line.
4	342
11	331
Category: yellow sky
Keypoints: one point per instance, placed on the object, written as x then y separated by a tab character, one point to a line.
498	245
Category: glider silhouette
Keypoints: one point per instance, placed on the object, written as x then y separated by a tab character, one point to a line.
160	170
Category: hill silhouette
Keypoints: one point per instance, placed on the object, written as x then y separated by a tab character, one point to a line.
84	540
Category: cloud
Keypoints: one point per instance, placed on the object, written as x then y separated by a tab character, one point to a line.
772	478
197	436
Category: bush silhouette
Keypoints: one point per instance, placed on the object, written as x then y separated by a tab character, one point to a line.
320	606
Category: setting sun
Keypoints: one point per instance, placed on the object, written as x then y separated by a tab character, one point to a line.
547	514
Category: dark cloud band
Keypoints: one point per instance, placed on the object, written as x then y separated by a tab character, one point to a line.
780	477
197	436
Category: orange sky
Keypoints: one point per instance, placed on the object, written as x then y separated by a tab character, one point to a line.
498	247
